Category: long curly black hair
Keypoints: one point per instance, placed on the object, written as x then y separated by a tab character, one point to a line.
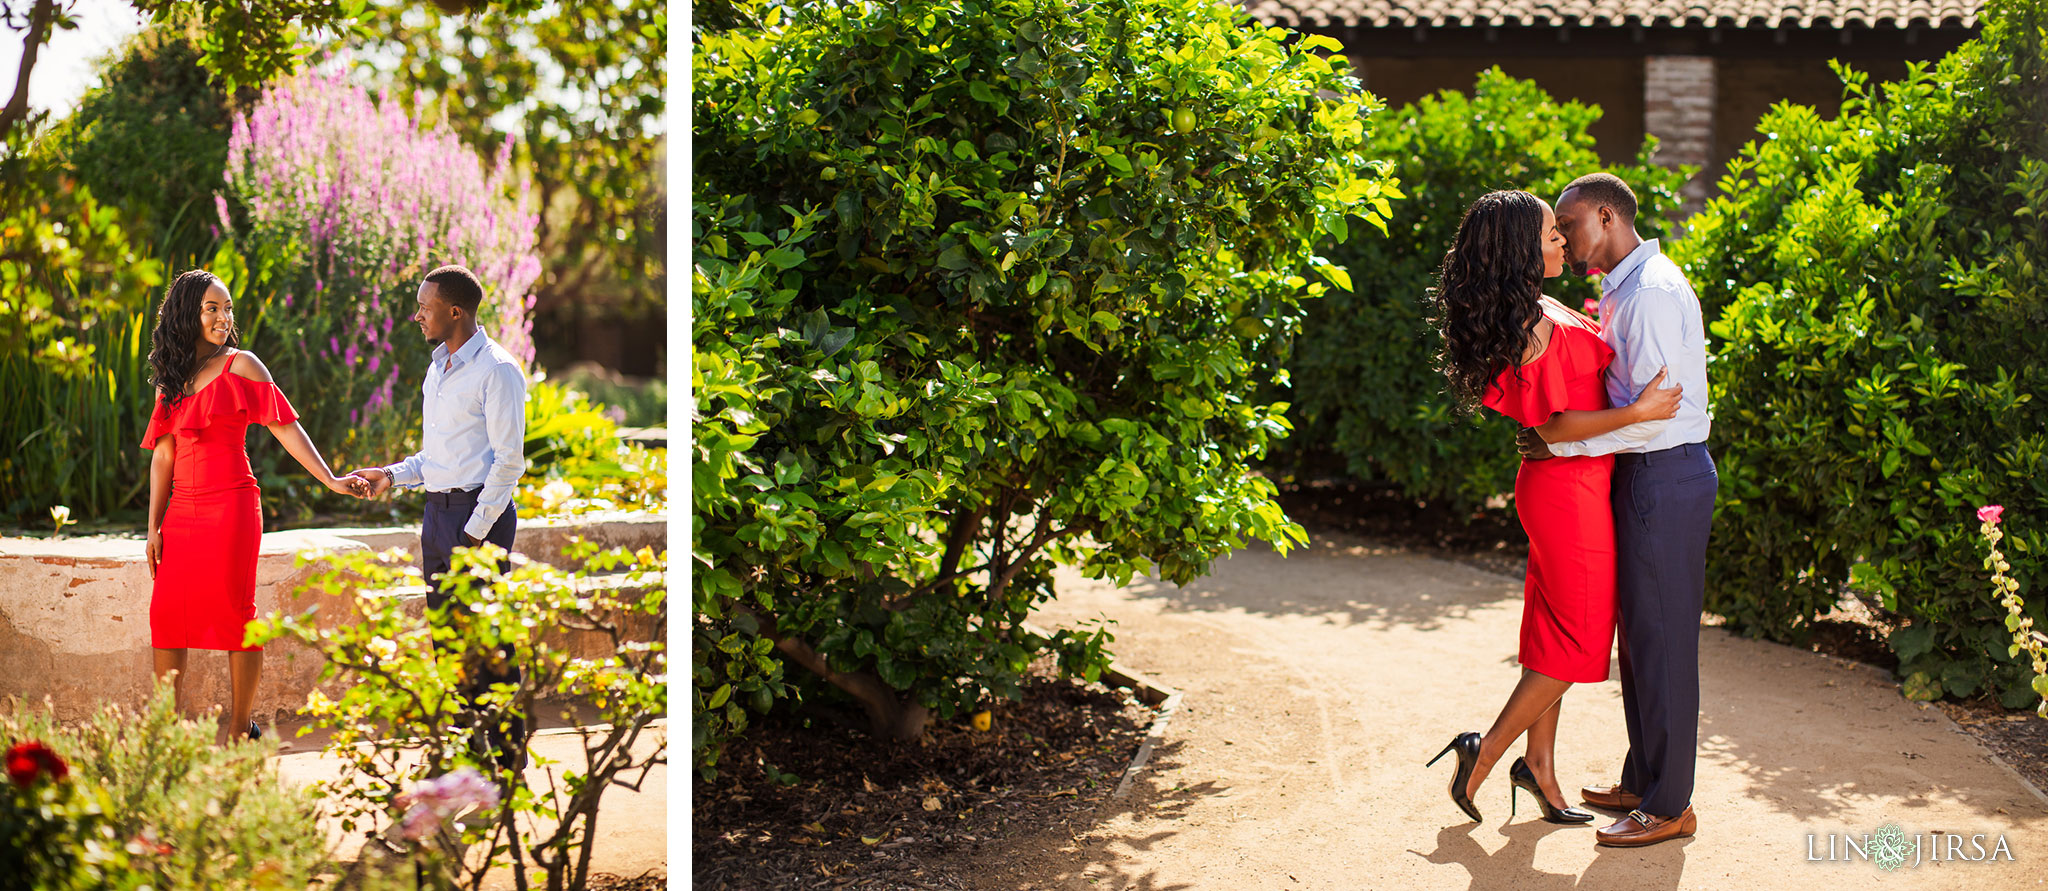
174	344
1487	298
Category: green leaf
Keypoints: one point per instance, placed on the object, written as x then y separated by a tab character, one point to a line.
1336	275
718	697
1962	678
1922	687
1911	642
1319	41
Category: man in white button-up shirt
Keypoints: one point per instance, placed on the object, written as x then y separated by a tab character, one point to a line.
473	436
473	442
1663	502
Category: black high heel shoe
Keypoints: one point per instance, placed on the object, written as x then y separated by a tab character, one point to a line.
1467	746
1520	777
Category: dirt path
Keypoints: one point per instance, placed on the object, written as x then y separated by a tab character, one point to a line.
1317	685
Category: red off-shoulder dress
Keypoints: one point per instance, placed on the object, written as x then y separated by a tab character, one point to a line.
1568	599
205	591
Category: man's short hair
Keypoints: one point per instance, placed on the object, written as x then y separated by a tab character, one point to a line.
1606	189
458	286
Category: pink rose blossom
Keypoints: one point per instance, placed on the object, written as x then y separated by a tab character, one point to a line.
1991	513
439	798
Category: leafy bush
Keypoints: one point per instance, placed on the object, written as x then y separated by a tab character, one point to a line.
1369	401
152	139
345	204
55	832
74	349
1879	280
981	288
632	402
576	462
405	717
155	803
77	275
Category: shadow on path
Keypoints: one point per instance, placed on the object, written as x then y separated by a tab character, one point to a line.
1513	866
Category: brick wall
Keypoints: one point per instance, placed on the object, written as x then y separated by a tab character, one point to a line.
1678	109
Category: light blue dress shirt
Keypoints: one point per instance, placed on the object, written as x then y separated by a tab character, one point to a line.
1650	316
474	432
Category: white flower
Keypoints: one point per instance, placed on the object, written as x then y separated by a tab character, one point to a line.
556	492
384	648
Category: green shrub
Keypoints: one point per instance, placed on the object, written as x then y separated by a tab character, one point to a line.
981	288
77	276
576	462
1369	400
405	715
55	832
152	139
158	804
632	402
74	348
1876	354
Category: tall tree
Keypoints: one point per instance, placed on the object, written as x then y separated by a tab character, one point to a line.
581	85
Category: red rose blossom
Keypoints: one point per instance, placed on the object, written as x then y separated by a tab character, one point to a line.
28	760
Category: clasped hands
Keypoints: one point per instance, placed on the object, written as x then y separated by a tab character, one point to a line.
369	482
373	482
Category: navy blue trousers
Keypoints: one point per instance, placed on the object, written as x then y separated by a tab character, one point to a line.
1663	509
440	535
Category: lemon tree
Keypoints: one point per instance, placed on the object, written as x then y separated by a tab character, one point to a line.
982	288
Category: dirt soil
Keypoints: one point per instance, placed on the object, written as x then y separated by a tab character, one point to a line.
1316	686
1493	540
825	807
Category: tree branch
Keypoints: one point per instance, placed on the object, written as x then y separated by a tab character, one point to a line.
1001	582
961	535
889	717
38	34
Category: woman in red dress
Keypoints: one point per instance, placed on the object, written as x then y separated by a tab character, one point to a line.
205	519
1522	354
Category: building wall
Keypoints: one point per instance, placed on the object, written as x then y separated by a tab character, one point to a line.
1614	84
1628	73
1747	88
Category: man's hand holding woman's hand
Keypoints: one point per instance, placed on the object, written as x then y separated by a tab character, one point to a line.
353	484
375	482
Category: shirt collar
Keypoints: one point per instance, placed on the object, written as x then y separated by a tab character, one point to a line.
469	350
1628	266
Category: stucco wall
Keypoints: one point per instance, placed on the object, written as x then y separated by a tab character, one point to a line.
74	613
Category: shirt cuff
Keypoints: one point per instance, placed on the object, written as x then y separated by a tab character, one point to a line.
402	475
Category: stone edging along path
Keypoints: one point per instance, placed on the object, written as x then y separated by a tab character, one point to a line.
1164	699
74	613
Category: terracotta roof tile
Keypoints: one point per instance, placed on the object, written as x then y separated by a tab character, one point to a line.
1619	13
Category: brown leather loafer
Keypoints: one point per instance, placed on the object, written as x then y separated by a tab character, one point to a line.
1639	829
1613	798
